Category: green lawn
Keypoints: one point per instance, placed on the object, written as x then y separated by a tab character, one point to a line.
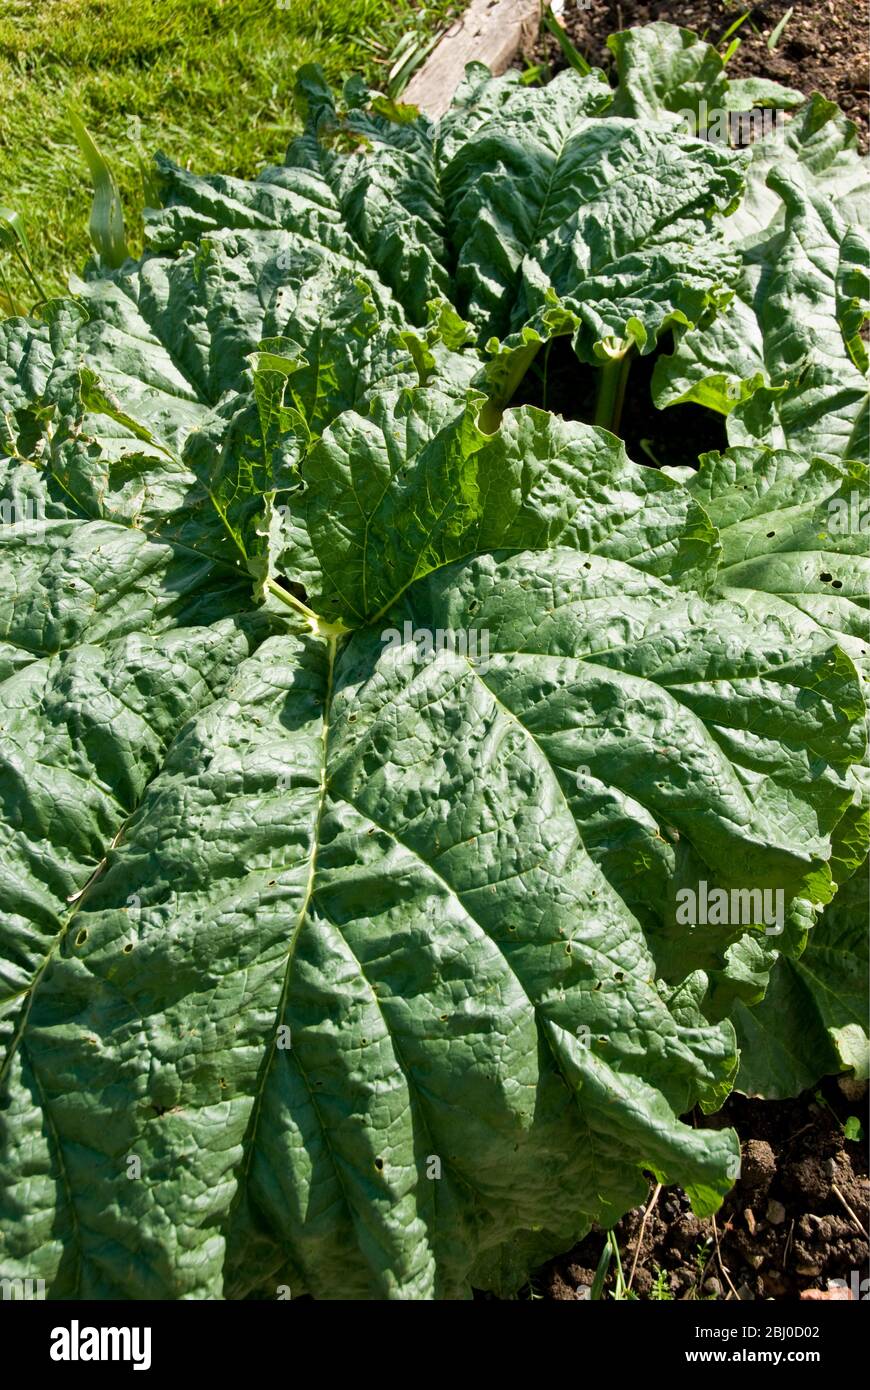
209	82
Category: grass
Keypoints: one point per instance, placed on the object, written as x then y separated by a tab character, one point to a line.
209	82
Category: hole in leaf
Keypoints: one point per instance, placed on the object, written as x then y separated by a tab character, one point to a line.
291	587
82	937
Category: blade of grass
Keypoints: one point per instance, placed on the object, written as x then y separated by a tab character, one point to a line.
732	28
14	306
640	1235
535	72
571	55
601	1272
622	1292
12	228
106	225
13	236
150	185
777	33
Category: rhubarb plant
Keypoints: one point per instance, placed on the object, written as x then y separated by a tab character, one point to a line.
366	726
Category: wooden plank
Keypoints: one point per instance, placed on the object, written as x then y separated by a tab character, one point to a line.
490	31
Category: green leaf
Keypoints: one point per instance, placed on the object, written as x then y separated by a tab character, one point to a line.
796	531
780	363
785	362
13	232
813	1020
416	483
664	70
572	218
107	213
744	93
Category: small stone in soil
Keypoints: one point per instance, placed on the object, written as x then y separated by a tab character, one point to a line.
832	1295
758	1165
774	1284
853	1090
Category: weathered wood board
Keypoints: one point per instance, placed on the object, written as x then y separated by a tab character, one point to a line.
490	31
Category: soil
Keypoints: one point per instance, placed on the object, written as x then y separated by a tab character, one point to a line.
823	47
784	1231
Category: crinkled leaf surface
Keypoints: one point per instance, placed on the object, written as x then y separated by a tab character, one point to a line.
786	363
813	1018
796	530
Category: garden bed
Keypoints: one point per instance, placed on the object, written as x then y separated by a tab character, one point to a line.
823	47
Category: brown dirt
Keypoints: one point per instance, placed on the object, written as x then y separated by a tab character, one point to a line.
823	47
782	1230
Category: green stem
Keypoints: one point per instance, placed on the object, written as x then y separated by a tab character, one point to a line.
546	373
331	631
24	261
620	1277
493	409
601	1272
612	379
8	292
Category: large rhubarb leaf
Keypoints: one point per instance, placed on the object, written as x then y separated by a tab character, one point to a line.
786	363
275	864
796	530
